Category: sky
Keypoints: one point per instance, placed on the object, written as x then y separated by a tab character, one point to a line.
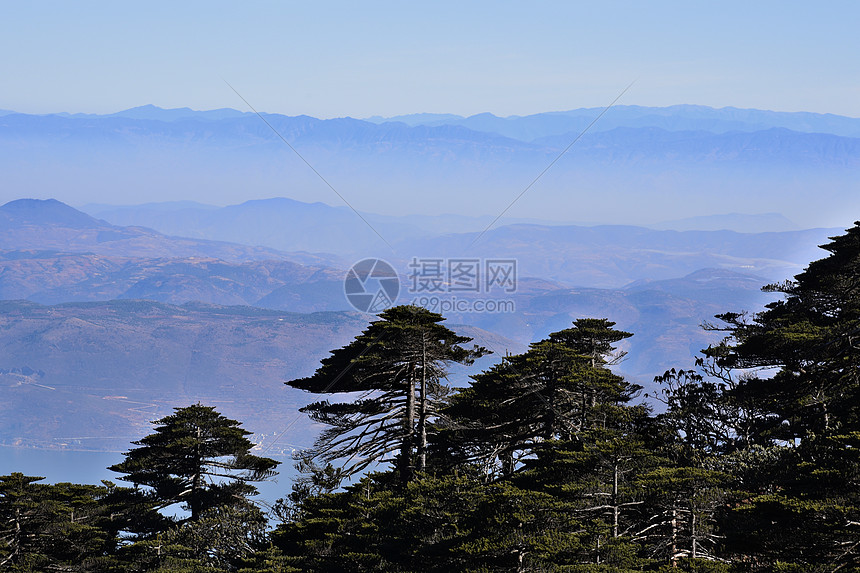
334	59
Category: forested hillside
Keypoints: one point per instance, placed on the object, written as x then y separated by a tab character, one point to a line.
547	461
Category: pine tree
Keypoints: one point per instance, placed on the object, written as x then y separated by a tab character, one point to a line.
680	506
24	520
514	529
196	457
398	364
804	355
560	388
64	526
812	339
596	477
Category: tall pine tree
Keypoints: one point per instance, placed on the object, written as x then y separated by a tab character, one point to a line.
804	355
560	388
198	458
398	364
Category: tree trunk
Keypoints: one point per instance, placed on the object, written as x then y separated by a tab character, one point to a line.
408	430
15	544
583	414
673	556
615	508
195	482
422	416
693	545
507	459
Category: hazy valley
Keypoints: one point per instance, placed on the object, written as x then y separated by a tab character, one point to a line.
246	295
228	324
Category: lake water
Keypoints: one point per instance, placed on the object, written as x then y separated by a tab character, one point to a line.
91	467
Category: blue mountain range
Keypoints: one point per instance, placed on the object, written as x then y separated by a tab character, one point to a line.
636	165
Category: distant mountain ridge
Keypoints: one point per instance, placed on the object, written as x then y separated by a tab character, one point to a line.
628	168
156	113
740	222
173	218
671	118
46	212
682	117
607	256
95	364
48	224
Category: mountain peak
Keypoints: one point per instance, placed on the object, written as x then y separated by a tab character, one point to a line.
48	212
153	112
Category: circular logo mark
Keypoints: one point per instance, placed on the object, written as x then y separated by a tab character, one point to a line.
371	285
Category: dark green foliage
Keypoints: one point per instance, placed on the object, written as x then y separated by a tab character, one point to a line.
221	539
808	513
201	459
596	477
63	526
433	524
23	519
542	464
812	337
572	506
559	389
515	529
681	503
398	363
269	560
344	527
803	505
592	337
196	457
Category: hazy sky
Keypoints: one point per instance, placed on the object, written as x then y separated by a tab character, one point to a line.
330	59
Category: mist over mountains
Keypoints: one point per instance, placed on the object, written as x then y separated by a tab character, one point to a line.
608	256
53	254
636	165
671	118
168	279
99	316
